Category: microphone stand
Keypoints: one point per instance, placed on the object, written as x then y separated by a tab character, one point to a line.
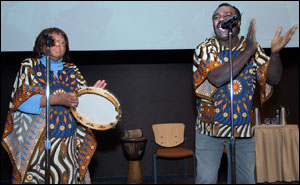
232	138
47	141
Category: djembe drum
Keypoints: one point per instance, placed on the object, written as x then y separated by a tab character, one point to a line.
133	149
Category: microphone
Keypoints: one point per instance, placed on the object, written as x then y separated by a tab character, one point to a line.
227	22
49	39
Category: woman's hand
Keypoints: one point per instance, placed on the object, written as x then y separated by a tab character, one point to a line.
68	100
64	99
100	84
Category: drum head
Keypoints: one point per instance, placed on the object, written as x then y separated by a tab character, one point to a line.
98	109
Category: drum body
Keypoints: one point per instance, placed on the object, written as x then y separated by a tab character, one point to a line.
133	148
97	109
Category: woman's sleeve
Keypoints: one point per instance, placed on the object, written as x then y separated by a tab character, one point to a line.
31	105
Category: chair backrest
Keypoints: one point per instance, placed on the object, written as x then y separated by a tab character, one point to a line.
168	134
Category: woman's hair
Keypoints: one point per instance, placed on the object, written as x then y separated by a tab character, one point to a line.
40	42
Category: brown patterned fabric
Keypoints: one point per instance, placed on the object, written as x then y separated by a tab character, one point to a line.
213	104
72	145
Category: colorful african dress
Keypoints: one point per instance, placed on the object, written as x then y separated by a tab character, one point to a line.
213	104
72	145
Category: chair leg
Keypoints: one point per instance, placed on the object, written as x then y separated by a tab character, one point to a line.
195	171
154	169
185	175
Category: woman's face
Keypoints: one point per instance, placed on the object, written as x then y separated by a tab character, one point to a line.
58	49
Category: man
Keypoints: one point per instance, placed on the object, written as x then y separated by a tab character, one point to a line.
211	78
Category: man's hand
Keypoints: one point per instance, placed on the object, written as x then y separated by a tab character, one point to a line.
279	42
251	38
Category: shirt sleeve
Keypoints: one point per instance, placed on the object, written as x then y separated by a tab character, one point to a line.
31	105
263	61
204	61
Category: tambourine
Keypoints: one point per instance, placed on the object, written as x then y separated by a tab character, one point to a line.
97	109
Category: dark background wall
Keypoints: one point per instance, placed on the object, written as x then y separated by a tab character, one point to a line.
152	86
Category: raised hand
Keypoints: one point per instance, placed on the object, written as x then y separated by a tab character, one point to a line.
279	42
251	43
100	84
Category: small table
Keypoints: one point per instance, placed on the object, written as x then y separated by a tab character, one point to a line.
277	153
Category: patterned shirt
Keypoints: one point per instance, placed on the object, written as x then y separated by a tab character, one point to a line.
24	133
213	104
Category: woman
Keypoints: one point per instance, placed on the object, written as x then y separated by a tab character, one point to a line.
72	145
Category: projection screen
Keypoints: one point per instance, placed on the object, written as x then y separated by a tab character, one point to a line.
137	25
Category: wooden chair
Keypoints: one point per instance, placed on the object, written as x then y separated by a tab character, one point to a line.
167	143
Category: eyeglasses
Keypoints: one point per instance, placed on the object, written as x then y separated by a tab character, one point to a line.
60	42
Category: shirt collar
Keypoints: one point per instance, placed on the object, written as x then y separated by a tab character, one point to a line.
54	65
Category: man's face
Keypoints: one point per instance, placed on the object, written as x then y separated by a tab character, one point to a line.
222	13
